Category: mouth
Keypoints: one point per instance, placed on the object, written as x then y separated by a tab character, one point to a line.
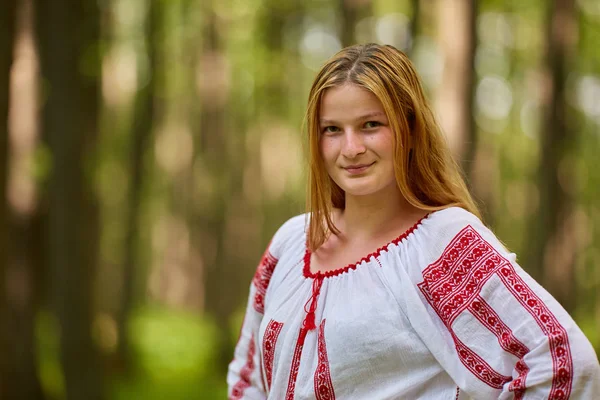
358	168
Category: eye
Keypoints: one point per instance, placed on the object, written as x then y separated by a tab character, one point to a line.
372	124
330	129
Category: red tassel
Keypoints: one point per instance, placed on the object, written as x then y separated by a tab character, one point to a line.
309	321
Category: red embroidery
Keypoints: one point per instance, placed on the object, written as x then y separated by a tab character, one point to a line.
261	280
323	386
375	254
478	366
269	342
295	365
454	282
457	393
518	385
238	389
488	317
558	340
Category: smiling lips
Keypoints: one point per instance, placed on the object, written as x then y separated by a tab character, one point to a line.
357	169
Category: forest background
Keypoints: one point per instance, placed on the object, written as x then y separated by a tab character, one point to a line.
150	148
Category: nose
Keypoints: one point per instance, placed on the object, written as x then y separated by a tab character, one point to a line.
353	144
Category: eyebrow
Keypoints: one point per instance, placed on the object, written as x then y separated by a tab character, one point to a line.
324	121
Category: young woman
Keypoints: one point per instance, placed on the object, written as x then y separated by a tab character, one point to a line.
391	287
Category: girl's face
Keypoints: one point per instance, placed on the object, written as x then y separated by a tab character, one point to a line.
357	143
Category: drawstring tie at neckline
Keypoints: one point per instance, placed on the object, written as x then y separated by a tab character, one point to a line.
309	320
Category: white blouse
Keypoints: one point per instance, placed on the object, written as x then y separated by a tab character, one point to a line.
441	312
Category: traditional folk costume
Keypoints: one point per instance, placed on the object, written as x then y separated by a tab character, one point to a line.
441	312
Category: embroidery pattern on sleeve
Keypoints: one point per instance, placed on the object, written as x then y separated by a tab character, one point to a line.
488	317
269	343
238	389
453	283
261	280
558	340
323	385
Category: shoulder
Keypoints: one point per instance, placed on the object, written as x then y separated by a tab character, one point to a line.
447	223
450	230
452	218
291	231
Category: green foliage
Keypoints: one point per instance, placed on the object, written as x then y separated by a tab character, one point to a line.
48	347
175	357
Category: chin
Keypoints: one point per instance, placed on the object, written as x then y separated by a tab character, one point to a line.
360	190
365	186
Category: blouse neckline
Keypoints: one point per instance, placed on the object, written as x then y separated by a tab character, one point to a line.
338	271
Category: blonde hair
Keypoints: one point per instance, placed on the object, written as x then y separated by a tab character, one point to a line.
426	174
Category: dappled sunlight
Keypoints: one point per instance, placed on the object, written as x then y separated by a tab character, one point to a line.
106	332
174	148
494	97
23	126
588	97
173	280
428	61
522	199
495	29
529	118
119	75
317	44
281	159
213	79
394	29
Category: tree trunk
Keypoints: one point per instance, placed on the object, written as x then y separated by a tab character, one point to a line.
8	384
20	277
554	244
68	38
213	151
351	11
142	133
414	24
455	98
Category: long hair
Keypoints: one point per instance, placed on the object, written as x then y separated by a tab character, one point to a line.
426	174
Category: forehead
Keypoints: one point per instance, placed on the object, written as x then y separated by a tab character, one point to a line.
347	100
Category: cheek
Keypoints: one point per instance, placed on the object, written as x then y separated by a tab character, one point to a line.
385	144
328	150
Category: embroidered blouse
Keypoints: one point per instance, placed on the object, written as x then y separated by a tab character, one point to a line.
441	312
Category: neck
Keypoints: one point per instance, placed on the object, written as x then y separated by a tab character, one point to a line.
366	217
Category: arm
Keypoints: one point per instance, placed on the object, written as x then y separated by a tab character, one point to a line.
503	335
244	378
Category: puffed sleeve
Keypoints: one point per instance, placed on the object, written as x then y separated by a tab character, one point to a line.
494	329
244	376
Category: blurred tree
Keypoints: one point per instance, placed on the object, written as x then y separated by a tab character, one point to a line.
414	24
553	253
278	25
352	11
8	383
24	252
142	124
213	156
457	35
271	24
69	49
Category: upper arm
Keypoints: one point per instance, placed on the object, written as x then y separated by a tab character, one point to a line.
509	336
244	378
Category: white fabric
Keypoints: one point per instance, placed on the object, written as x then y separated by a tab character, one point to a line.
383	338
